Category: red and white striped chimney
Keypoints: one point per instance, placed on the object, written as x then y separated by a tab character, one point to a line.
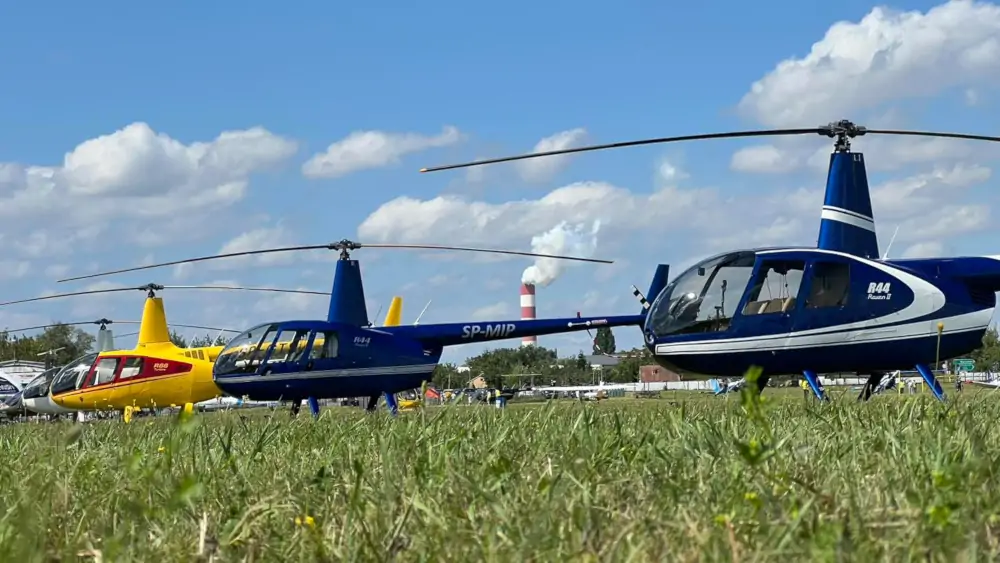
528	310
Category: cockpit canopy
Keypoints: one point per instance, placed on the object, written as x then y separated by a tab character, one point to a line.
704	297
70	376
39	386
273	343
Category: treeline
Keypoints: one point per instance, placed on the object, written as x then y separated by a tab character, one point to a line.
61	344
512	367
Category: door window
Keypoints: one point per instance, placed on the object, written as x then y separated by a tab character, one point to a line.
289	345
325	345
131	368
104	371
775	287
831	285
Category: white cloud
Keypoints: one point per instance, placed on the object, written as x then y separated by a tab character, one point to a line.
928	249
905	196
763	158
362	150
137	176
545	168
887	56
14	269
452	217
497	311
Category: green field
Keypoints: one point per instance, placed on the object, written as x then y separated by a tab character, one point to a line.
691	479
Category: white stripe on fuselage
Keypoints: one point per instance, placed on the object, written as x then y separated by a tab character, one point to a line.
848	217
790	341
330	373
927	299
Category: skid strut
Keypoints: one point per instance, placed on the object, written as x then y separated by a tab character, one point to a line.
931	381
813	380
871	385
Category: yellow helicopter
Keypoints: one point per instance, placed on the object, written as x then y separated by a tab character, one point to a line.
154	374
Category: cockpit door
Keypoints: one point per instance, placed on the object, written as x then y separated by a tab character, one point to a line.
769	304
288	352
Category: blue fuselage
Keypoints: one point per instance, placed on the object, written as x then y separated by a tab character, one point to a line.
792	310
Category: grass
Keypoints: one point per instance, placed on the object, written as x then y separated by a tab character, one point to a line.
700	479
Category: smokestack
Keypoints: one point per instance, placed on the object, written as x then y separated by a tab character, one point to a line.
528	310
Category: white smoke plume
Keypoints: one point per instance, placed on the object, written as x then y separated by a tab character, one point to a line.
561	239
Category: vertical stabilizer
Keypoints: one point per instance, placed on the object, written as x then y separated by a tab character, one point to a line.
153	327
395	315
847	224
660	278
347	300
105	340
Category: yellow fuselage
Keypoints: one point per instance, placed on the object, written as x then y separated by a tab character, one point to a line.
165	376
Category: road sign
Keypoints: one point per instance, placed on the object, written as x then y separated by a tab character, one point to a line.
965	365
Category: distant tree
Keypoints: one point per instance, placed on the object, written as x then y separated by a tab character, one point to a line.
604	343
987	356
446	376
581	361
63	341
178	340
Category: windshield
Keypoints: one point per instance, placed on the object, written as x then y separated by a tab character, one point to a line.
704	298
13	401
39	386
7	387
70	377
244	353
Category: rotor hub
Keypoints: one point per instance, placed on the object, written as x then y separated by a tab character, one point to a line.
150	289
103	322
842	132
345	247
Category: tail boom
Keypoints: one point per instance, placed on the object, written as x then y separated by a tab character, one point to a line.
453	334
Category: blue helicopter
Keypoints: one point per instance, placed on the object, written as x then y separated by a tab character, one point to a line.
345	355
837	307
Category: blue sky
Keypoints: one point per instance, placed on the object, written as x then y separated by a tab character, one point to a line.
111	155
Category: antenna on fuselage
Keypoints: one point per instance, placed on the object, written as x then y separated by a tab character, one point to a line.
892	240
347	299
421	315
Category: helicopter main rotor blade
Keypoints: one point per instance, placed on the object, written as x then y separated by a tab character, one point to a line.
342	246
200	259
623	144
487	250
933	134
79	323
212	328
155	287
840	128
75	293
241	288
